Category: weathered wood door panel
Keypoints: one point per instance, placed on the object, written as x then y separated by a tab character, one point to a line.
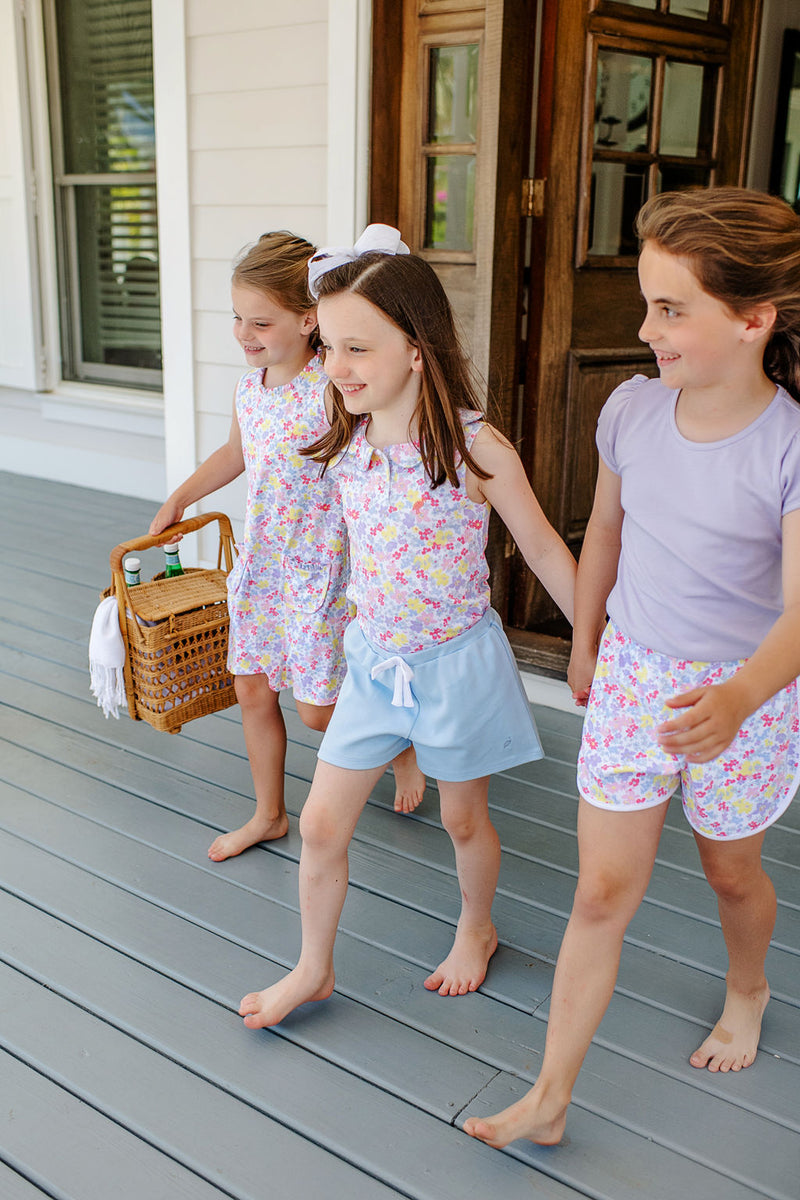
632	102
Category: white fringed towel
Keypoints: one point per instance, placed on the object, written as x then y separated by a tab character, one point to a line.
107	657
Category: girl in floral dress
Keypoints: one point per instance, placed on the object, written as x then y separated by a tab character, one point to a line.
693	551
428	663
286	592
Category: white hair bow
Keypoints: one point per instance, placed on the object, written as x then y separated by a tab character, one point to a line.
384	239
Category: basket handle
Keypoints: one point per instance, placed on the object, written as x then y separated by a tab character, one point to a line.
144	543
180	527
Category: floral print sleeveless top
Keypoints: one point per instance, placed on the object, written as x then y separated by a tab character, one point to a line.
286	592
419	574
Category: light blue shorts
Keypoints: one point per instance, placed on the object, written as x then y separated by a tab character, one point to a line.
461	705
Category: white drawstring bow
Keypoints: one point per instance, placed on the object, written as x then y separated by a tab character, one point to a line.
403	697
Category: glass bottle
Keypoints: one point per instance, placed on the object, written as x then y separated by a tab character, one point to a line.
131	568
172	563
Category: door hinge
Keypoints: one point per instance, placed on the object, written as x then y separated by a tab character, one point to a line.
533	191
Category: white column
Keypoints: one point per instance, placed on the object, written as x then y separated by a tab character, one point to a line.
174	237
349	69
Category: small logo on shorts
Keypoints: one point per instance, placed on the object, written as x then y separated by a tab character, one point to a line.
507	743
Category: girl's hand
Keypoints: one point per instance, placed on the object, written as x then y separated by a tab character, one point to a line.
169	514
580	674
710	720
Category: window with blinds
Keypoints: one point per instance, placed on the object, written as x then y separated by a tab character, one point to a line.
100	64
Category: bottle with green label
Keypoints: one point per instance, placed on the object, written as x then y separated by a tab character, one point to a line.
132	568
172	563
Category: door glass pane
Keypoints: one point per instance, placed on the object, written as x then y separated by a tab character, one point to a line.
450	207
622	100
672	178
618	192
453	115
680	117
106	72
784	179
118	276
690	8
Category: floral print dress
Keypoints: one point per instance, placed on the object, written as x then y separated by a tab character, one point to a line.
286	592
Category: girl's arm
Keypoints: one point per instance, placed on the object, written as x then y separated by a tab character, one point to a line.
224	465
711	717
510	495
597	573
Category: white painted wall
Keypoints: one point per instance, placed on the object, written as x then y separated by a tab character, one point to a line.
246	141
257	139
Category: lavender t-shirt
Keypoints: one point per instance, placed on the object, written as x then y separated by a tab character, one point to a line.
700	570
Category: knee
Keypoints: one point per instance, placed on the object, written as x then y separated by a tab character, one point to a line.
605	896
253	691
463	825
315	716
730	885
319	826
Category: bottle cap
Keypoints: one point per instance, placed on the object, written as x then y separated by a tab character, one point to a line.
131	564
171	548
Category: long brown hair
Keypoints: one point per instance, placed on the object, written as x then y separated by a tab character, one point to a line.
406	289
277	264
744	248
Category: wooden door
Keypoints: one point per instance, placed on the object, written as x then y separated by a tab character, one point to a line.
451	108
632	99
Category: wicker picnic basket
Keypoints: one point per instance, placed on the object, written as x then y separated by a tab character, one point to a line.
175	633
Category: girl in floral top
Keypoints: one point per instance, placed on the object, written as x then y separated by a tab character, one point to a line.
428	663
286	592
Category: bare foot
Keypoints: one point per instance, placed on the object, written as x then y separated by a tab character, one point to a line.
262	1009
733	1042
527	1118
227	845
464	969
409	782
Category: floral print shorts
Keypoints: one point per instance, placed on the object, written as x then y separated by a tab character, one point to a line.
622	766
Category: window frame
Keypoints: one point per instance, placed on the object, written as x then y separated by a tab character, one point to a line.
660	36
74	368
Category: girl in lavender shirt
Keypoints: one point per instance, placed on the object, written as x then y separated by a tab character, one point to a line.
693	552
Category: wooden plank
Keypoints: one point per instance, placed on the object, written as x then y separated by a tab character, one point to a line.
207	1126
194	1123
69	1150
363	964
531	931
14	1186
83	971
72	683
380	1050
628	1172
529	840
662	982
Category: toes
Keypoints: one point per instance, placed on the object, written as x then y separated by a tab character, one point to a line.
220	849
479	1129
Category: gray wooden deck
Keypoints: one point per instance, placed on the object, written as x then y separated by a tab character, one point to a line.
124	951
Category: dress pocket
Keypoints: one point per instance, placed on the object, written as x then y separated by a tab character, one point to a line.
236	573
305	584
